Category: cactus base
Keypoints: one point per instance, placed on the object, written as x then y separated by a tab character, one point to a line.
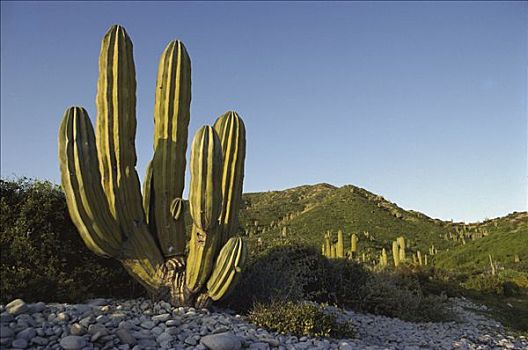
173	289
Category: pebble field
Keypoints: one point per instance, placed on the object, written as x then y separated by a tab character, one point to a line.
143	324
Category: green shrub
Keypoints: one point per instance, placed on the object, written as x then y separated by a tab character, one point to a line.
390	294
300	319
280	274
501	284
343	283
43	256
296	272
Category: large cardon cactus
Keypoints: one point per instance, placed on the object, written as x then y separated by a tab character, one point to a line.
146	232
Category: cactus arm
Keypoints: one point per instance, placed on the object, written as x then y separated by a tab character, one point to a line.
232	133
171	122
116	129
81	183
227	270
205	203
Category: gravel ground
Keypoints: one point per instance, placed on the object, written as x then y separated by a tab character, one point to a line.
142	324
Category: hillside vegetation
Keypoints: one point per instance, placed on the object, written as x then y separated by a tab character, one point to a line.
303	214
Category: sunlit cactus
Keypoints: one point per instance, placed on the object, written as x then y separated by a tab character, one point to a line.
354	244
383	258
340	245
146	232
396	253
401	244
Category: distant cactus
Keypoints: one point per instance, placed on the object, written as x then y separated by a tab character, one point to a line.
147	233
396	253
340	247
419	257
353	244
333	253
493	266
401	244
383	258
432	250
327	245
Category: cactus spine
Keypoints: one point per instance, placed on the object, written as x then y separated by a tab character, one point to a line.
146	234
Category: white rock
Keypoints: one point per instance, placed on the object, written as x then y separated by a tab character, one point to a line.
63	317
161	318
77	329
17	307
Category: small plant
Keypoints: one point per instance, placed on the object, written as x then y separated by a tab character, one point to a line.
300	319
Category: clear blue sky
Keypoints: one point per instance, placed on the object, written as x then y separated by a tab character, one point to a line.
423	103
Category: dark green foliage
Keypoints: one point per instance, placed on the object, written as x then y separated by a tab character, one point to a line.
344	282
293	273
300	319
43	256
498	284
281	273
296	272
401	295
